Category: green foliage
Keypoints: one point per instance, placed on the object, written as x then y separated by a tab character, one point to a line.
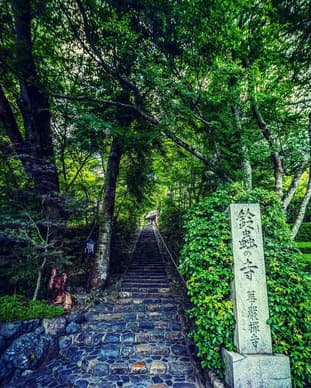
306	261
304	246
185	64
123	234
171	224
304	233
206	262
16	307
19	276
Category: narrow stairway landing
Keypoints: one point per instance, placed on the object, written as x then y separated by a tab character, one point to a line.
138	342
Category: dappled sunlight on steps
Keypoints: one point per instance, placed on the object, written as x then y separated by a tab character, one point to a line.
139	341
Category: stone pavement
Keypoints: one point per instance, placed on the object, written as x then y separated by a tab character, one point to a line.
139	341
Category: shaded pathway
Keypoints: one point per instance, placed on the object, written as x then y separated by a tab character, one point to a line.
137	342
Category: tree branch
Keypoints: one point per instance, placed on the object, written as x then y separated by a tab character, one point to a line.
275	156
293	186
8	120
205	122
304	101
247	167
92	99
142	113
184	145
124	81
77	173
116	74
307	196
262	125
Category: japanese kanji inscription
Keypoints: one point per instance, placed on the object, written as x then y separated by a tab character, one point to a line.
249	287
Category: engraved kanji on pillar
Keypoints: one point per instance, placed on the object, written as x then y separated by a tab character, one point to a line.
252	334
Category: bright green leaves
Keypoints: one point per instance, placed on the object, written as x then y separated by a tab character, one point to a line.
206	262
15	307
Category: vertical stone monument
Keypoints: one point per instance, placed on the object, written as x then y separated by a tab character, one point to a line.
254	366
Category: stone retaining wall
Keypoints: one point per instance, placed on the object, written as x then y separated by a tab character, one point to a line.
25	345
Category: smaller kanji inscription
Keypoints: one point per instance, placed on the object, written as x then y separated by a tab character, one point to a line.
251	296
252	312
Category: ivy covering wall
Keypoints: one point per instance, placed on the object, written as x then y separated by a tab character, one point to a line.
206	261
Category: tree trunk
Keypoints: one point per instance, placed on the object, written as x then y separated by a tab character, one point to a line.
278	173
248	172
293	186
39	278
306	198
275	156
102	257
34	106
302	209
247	167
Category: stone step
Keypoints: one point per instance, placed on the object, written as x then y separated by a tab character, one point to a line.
96	369
133	287
144	295
149	300
153	270
113	345
128	319
120	319
136	305
147	274
145	267
145	260
71	375
41	378
175	358
134	278
161	332
129	336
144	277
142	308
146	284
145	289
138	341
137	280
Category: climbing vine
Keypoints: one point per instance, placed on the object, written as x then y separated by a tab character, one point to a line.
206	261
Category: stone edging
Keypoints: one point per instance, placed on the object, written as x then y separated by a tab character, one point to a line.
25	345
216	382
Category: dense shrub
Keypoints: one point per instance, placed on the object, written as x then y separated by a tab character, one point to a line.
16	308
304	233
206	261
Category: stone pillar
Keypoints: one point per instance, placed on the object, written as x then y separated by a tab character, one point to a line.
252	333
254	366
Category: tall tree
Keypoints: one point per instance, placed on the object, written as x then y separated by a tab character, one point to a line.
106	212
32	140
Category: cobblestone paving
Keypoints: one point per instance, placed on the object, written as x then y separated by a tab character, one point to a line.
137	342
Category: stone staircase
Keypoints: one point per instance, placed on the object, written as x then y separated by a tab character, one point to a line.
139	341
